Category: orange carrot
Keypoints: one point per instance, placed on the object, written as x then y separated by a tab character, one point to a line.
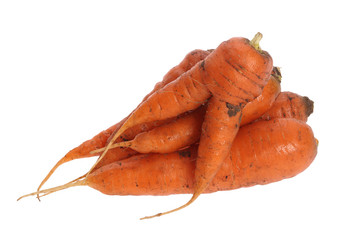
283	148
169	137
234	73
100	140
187	63
264	102
186	130
302	106
290	105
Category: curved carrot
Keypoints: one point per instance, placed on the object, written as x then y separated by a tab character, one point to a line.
100	140
235	73
290	105
283	149
245	68
169	137
298	108
264	102
187	63
179	96
184	131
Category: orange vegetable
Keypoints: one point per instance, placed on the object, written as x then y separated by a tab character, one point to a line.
283	148
280	109
100	140
233	74
184	131
264	102
169	137
290	105
196	111
186	64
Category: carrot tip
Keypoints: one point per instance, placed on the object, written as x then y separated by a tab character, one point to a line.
255	42
77	182
148	217
309	105
193	198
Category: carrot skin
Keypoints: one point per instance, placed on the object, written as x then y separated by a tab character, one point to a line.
187	63
281	108
236	72
290	105
221	124
262	152
244	71
263	103
172	136
100	140
184	94
183	132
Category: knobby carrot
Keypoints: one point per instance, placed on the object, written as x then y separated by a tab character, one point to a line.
187	63
169	137
260	105
233	74
100	140
301	106
283	148
290	105
185	131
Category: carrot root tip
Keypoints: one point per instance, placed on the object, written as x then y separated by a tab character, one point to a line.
74	183
309	105
193	198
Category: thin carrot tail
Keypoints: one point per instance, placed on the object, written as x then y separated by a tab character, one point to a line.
77	182
126	144
109	145
65	159
194	197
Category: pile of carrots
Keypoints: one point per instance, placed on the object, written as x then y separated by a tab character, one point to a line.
217	121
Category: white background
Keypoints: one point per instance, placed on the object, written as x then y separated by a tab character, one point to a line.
69	69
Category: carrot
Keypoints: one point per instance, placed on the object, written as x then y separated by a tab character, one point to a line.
185	131
264	102
169	137
233	74
262	152
100	140
290	105
187	63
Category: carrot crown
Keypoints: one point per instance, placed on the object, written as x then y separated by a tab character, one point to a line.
255	42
